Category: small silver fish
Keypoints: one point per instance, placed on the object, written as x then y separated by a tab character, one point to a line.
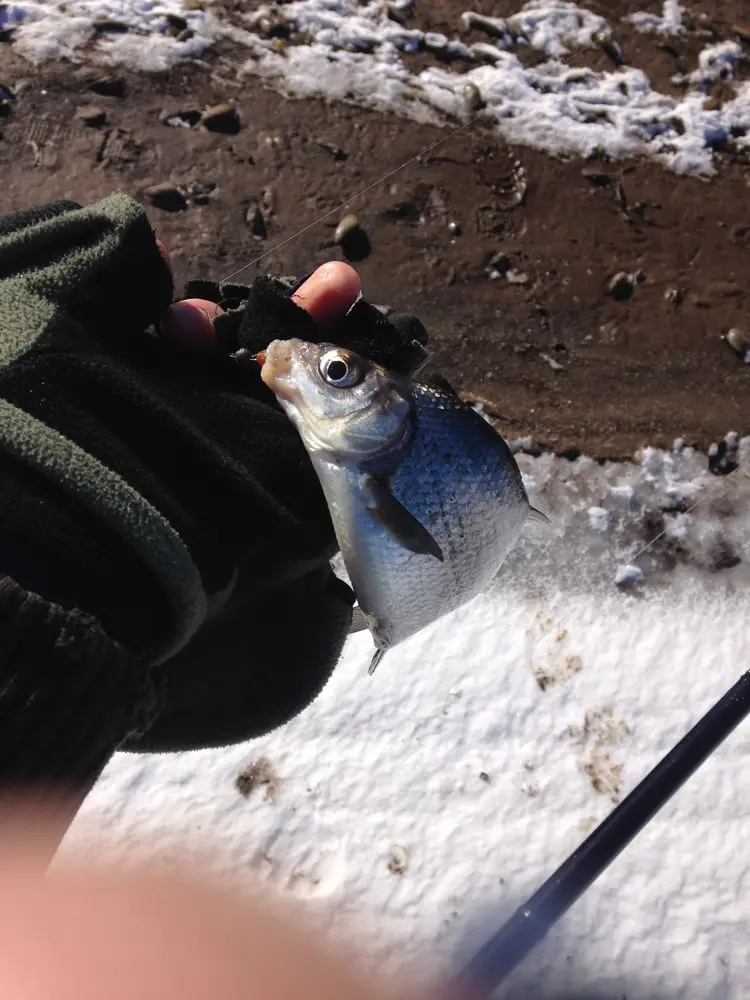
425	496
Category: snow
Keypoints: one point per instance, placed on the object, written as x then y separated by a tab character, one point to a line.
52	30
669	22
352	51
412	811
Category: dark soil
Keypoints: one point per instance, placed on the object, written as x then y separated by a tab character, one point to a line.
635	370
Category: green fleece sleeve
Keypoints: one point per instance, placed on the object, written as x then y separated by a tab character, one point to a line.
84	267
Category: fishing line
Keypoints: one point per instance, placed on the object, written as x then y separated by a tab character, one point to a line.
381	180
354	197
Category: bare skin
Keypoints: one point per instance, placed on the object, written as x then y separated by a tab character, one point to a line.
327	295
95	933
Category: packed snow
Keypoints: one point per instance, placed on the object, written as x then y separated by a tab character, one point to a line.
411	811
350	51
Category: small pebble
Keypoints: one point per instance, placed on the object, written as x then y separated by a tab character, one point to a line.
454	228
166	196
628	576
474	100
92	115
268	200
673	296
621	286
722	456
340	155
221	118
256	222
345	226
738	340
108	86
352	238
274	25
554	365
498	266
175	23
597	176
678	446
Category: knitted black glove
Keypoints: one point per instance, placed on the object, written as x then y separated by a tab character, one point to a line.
167	494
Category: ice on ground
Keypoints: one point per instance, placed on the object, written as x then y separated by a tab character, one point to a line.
411	811
351	51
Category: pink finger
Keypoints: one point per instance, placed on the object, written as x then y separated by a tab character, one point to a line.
329	293
189	324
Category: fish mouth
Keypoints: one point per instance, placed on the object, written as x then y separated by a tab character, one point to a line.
276	367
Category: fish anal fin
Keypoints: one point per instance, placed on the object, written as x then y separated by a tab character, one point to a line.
398	522
538	517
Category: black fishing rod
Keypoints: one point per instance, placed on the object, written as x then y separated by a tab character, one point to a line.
532	921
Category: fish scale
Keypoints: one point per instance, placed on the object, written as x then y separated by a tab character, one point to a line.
461	481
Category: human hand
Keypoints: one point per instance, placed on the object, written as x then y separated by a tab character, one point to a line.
191	524
327	296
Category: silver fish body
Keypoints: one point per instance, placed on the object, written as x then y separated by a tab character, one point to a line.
425	496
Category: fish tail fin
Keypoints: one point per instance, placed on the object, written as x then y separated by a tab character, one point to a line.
538	517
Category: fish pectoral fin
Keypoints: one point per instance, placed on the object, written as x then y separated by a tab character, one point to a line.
398	522
538	517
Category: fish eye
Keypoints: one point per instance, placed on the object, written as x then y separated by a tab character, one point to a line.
340	369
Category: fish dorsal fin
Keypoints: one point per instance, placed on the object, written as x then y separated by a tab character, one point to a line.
439	382
398	522
538	517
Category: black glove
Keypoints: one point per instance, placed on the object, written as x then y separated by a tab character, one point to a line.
167	494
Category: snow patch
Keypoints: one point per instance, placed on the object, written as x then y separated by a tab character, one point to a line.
413	810
669	22
53	30
354	52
